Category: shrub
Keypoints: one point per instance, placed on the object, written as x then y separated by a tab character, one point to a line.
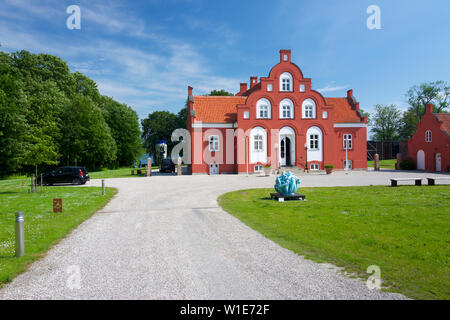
407	164
329	166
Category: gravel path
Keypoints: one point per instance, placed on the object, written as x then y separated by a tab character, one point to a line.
165	237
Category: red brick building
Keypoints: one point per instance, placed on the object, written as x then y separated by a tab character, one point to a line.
429	147
280	120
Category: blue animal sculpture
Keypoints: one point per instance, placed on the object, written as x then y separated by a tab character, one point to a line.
287	184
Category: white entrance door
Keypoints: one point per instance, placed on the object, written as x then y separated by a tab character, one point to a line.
438	162
213	168
420	160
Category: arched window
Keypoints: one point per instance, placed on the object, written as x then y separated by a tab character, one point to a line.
263	109
308	109
286	82
428	136
286	109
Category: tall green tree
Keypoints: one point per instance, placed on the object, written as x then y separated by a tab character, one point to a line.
124	124
86	137
436	93
159	125
13	126
386	123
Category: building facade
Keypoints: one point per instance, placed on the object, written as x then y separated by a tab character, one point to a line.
278	120
429	147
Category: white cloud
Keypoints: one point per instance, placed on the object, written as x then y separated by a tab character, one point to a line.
331	88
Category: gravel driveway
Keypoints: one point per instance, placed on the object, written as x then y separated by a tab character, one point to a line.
165	237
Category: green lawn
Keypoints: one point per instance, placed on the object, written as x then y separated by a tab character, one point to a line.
118	173
386	164
403	230
43	228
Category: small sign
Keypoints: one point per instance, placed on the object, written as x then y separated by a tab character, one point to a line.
57	205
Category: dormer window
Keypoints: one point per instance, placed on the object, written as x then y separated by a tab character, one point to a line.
286	82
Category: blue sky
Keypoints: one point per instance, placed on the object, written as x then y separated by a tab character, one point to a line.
145	53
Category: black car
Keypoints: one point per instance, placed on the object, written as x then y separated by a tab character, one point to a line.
167	166
74	175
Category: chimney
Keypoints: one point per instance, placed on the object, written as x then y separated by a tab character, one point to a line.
350	93
243	87
190	91
429	108
285	55
253	81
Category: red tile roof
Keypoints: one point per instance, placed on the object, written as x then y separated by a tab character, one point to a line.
445	119
222	109
217	109
343	112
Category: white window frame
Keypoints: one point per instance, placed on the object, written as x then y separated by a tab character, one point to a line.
308	109
314	141
214	142
286	109
269	87
325	115
258	143
286	82
259	168
263	103
348	165
428	136
348	141
302	88
314	167
246	115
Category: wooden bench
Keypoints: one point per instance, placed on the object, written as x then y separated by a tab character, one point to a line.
432	180
418	181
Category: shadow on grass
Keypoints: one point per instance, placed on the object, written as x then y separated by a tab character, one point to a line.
9	192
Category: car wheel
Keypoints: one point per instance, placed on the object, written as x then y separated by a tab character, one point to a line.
76	181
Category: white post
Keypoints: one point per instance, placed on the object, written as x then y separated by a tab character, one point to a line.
20	234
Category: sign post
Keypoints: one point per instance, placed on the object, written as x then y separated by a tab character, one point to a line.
57	205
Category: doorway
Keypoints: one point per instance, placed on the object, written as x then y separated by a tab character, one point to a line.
438	162
420	160
285	151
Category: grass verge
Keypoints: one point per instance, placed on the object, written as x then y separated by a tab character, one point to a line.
43	228
385	164
404	230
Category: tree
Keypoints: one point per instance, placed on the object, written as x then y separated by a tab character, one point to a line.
159	125
436	93
386	123
408	124
13	125
86	138
124	124
220	93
